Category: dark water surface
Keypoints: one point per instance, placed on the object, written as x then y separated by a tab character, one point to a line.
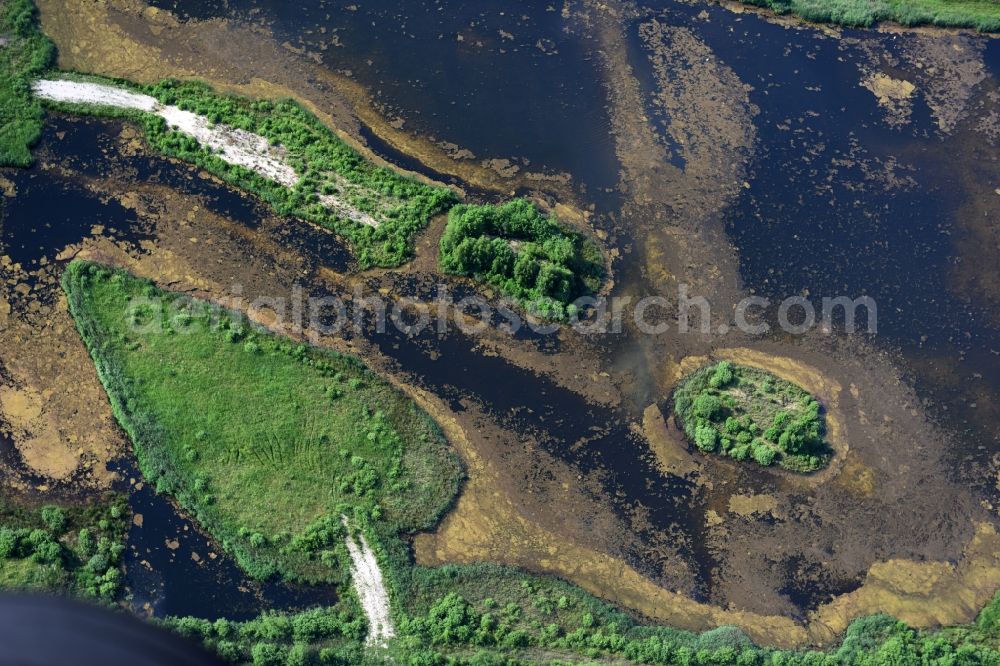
173	568
502	79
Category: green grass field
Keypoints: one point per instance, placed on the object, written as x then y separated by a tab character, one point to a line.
982	15
267	442
25	54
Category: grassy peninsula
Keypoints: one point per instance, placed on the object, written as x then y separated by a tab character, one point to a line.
25	53
749	414
265	441
983	15
530	257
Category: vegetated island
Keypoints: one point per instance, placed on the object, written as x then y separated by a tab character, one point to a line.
530	257
25	53
983	15
276	150
265	441
746	413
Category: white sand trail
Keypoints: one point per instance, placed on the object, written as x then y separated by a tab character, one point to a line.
370	588
232	145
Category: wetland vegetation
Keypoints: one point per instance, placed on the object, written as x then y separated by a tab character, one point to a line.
982	15
25	53
529	256
265	441
749	414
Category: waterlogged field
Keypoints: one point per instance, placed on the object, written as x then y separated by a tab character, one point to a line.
826	149
267	442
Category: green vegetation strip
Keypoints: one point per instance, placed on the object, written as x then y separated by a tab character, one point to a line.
745	413
531	258
487	615
25	53
983	15
326	166
267	442
73	549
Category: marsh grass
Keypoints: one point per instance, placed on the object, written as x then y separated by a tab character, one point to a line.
983	15
266	441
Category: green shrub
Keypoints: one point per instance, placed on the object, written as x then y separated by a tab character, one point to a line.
529	257
8	542
54	518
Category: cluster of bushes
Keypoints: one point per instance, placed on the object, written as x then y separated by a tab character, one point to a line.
26	54
491	615
984	15
76	550
324	163
317	636
485	614
746	413
528	256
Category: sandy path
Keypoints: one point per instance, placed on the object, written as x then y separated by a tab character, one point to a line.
232	145
370	588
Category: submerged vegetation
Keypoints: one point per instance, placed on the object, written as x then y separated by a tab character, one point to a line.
745	413
267	442
24	54
528	256
74	549
983	15
333	183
